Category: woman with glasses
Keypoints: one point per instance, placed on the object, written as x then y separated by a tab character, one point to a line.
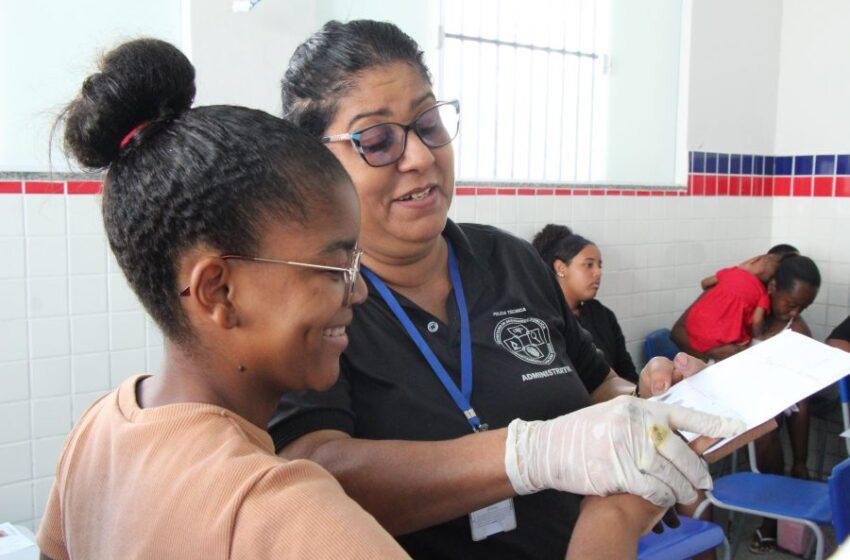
464	333
237	232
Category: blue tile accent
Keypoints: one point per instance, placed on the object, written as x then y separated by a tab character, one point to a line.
803	165
723	163
758	165
843	165
711	162
824	165
769	165
747	164
699	162
735	164
784	165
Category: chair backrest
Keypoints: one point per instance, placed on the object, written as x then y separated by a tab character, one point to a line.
844	392
839	499
659	343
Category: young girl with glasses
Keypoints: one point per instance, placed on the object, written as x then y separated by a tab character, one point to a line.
255	225
464	332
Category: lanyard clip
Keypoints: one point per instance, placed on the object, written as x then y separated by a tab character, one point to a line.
482	427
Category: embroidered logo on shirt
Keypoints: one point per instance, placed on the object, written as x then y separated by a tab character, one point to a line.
527	339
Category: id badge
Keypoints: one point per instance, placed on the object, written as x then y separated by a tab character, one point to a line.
497	518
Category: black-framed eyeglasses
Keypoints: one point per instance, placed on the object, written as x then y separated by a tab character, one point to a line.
349	273
384	144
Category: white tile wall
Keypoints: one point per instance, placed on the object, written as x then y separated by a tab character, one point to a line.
63	305
71	328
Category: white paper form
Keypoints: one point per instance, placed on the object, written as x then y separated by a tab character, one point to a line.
759	383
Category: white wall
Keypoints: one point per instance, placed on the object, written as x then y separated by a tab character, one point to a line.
643	90
734	69
240	57
769	78
813	109
46	49
813	117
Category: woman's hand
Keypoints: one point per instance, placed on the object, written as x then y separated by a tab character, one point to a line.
660	374
625	445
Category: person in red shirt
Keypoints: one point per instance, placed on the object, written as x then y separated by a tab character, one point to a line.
734	309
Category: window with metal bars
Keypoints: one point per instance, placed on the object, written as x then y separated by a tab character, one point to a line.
531	76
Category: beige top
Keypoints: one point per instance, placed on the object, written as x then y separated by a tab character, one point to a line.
194	480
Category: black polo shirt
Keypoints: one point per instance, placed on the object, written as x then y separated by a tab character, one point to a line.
531	360
603	326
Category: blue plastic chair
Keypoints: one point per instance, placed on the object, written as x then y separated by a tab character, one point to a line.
844	394
782	497
692	537
659	343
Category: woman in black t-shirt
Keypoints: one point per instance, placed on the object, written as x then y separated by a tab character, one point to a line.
577	263
840	337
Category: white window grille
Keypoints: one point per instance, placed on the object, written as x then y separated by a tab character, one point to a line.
531	78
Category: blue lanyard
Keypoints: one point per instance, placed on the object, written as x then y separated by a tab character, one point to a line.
461	396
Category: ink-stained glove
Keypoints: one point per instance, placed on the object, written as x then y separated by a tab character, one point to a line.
622	445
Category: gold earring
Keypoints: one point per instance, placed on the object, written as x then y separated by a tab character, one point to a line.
560	274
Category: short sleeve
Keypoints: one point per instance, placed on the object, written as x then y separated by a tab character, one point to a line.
51	538
590	365
302	412
622	360
298	510
842	331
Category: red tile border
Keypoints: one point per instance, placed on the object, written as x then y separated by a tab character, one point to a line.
823	186
842	186
782	186
698	184
85	187
11	187
746	186
767	187
723	185
44	187
802	186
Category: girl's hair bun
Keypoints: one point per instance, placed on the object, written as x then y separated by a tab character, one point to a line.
142	81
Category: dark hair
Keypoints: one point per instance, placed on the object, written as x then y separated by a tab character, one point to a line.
796	268
326	65
210	175
558	242
783	249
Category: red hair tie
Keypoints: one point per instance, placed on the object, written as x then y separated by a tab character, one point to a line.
129	135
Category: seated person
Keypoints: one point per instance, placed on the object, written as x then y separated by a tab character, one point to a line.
577	263
763	266
733	310
840	336
793	289
178	464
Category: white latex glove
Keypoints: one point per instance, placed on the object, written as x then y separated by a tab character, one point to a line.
624	445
